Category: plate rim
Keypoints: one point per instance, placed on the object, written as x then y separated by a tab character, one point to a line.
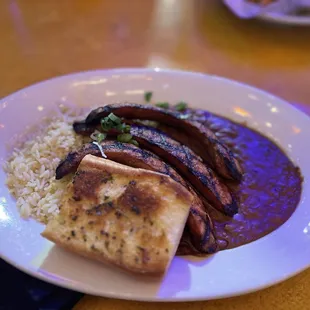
155	70
176	299
84	289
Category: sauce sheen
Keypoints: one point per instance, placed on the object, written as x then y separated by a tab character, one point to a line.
270	190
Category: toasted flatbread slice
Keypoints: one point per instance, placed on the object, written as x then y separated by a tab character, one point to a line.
132	218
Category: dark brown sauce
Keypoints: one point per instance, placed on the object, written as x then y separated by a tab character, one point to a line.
271	186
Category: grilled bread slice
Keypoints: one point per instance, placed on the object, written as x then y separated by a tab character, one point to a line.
132	218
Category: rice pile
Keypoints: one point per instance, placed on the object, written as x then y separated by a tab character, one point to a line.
31	168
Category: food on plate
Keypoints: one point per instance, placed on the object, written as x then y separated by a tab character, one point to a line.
188	164
132	218
215	153
247	185
198	173
199	223
253	195
270	189
31	167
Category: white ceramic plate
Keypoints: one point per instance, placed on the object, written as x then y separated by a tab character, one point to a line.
257	265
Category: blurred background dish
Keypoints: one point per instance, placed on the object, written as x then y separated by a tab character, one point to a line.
292	12
298	16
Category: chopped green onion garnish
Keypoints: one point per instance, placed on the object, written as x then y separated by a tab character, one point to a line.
120	127
100	137
94	135
148	96
114	118
109	122
164	105
181	106
114	122
124	137
134	142
127	128
106	124
105	127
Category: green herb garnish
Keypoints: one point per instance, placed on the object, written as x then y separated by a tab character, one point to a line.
106	124
127	138
100	137
163	105
111	121
127	128
123	128
181	106
148	96
115	119
120	127
134	142
124	137
114	122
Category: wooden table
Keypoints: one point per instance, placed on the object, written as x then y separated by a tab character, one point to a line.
45	38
